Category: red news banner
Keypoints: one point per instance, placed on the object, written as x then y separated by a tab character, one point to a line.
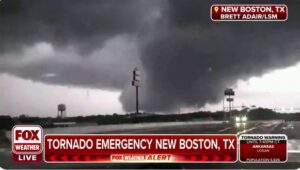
140	148
249	12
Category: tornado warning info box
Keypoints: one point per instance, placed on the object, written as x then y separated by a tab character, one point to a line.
263	148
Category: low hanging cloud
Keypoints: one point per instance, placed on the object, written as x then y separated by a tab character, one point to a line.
190	60
185	58
105	68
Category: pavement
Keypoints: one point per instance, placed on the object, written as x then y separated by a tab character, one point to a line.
208	127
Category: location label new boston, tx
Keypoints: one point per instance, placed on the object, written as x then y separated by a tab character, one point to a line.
249	12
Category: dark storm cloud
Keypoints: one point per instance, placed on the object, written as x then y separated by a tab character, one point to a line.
82	43
186	58
86	23
192	59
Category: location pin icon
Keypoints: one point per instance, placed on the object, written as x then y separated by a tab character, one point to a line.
216	9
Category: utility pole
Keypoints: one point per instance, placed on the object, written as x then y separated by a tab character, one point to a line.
136	83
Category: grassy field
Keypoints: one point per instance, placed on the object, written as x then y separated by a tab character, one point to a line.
4	142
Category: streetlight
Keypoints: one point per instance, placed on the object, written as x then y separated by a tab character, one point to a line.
229	93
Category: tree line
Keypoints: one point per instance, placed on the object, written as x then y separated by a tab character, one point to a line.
7	122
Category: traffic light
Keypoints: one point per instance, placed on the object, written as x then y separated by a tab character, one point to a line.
136	77
136	82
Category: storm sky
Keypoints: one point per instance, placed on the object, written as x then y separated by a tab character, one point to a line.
92	46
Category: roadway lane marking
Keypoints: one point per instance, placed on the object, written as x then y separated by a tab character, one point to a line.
246	130
274	126
223	130
256	124
269	124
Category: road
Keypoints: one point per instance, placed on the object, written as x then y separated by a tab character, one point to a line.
213	127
